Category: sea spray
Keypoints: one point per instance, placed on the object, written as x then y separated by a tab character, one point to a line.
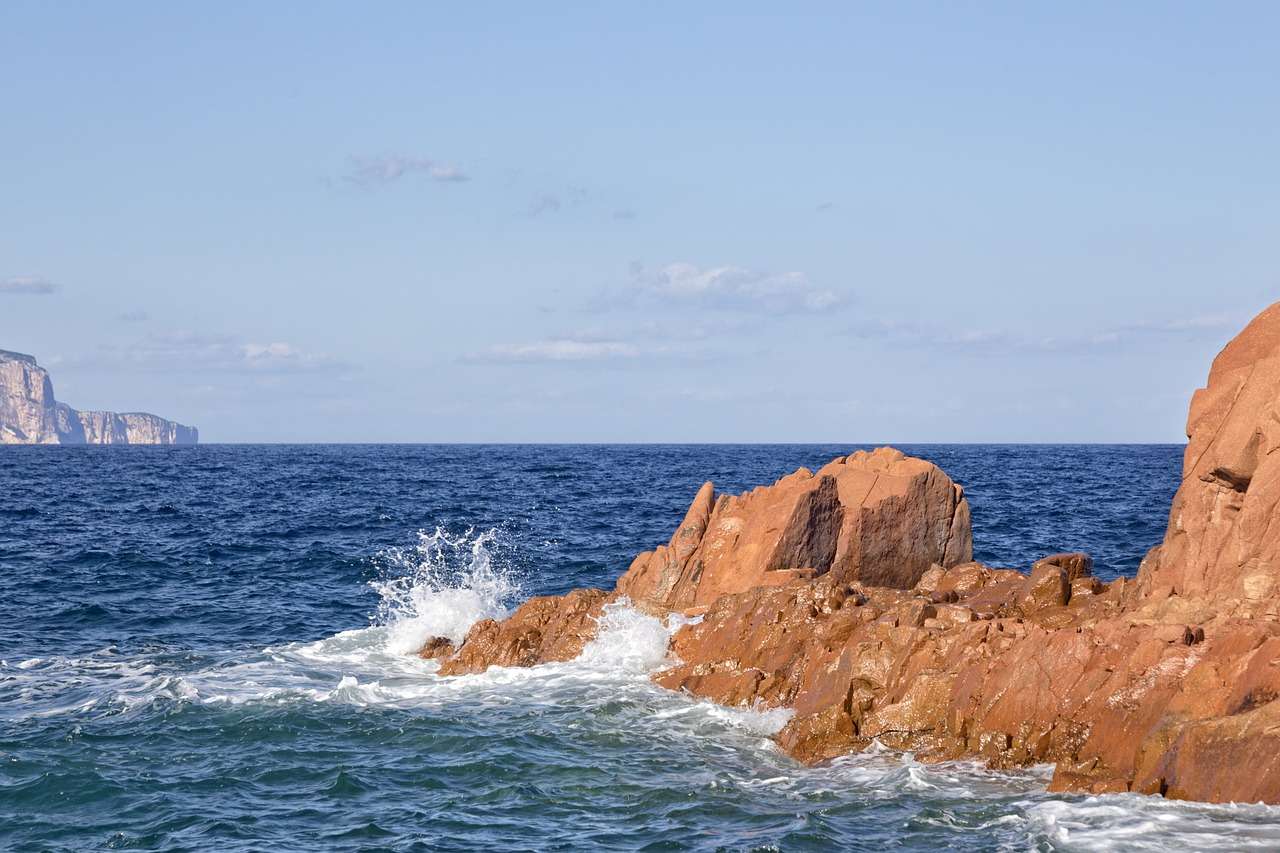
440	588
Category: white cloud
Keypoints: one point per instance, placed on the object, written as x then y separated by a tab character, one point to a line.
731	287
379	171
32	284
186	350
277	354
558	349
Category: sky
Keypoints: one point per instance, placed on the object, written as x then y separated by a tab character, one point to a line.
713	222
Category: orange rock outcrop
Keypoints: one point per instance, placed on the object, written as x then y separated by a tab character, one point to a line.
850	597
880	518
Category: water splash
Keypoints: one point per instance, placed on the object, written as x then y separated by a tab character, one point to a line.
628	642
440	588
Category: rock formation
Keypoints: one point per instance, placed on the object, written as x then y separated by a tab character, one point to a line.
881	518
850	597
29	414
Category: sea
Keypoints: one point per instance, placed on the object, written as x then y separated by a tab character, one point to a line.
211	648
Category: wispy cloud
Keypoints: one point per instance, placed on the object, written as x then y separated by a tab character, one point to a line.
372	172
544	203
282	357
981	341
553	202
138	316
557	349
1196	323
186	350
617	347
730	287
29	284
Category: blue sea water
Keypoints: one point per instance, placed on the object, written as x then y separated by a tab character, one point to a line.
208	648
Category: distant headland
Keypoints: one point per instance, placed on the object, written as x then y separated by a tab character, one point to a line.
30	414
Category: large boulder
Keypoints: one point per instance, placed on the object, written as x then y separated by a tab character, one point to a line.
880	518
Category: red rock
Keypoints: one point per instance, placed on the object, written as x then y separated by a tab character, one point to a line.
1075	564
1047	586
436	647
1081	587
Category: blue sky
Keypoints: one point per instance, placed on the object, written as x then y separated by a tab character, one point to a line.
666	222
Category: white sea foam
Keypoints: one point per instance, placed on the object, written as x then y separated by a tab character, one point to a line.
628	642
757	720
58	684
1133	822
441	586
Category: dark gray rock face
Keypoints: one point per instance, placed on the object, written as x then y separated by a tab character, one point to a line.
29	414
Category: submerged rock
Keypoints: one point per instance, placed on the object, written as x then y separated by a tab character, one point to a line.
543	629
29	414
436	647
849	596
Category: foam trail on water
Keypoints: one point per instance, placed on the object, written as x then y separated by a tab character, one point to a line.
1147	823
440	588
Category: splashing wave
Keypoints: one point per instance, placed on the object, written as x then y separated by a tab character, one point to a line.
441	587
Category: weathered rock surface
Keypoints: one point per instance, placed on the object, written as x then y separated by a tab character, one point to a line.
881	518
29	414
849	596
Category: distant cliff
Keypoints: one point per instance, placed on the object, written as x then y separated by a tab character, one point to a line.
29	414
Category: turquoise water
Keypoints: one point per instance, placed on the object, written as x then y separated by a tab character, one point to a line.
208	649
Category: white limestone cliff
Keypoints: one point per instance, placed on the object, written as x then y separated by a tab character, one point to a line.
30	414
